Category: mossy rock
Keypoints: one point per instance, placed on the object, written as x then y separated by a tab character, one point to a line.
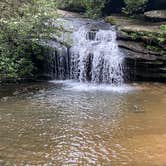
145	34
111	20
156	15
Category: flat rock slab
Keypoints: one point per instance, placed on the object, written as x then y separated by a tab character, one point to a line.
138	47
156	15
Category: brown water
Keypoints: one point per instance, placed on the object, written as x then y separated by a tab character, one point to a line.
72	124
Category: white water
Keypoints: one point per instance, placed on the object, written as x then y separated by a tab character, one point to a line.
95	57
71	85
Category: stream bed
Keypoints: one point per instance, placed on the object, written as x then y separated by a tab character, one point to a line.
70	123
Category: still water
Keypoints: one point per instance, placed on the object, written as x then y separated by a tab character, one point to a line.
67	123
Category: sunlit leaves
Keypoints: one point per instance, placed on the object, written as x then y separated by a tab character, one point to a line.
22	24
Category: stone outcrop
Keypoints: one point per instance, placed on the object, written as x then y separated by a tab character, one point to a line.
142	65
156	15
144	45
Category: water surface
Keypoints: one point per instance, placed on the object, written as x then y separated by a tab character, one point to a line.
68	123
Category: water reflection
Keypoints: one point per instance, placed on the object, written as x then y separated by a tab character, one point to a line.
57	125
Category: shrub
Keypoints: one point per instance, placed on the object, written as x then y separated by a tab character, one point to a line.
93	8
71	5
21	28
163	27
134	6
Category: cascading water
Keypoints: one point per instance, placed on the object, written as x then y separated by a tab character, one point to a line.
95	56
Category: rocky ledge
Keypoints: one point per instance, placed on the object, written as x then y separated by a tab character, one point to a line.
156	15
144	44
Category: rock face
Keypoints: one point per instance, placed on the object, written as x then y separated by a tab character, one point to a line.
146	56
156	15
144	44
142	65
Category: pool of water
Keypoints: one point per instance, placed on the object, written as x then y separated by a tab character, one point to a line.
68	123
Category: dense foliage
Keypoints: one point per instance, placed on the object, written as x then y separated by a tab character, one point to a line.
92	8
134	6
21	28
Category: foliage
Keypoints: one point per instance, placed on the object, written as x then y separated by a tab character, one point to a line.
93	7
156	49
134	6
70	4
163	27
22	25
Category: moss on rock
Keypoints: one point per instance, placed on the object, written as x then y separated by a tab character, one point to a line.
111	20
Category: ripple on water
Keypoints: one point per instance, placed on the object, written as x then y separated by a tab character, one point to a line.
62	126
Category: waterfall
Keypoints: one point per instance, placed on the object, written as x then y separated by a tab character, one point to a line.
95	56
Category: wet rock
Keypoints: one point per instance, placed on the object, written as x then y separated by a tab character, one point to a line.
146	34
111	20
16	93
4	99
138	47
144	67
144	46
156	15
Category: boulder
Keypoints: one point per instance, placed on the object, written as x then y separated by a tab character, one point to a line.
149	35
144	46
156	15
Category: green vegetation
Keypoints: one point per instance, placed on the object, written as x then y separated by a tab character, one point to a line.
134	6
163	27
156	49
22	25
74	5
153	41
92	8
148	37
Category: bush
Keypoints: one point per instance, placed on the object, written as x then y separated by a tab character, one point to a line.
92	8
163	27
21	29
134	6
71	5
